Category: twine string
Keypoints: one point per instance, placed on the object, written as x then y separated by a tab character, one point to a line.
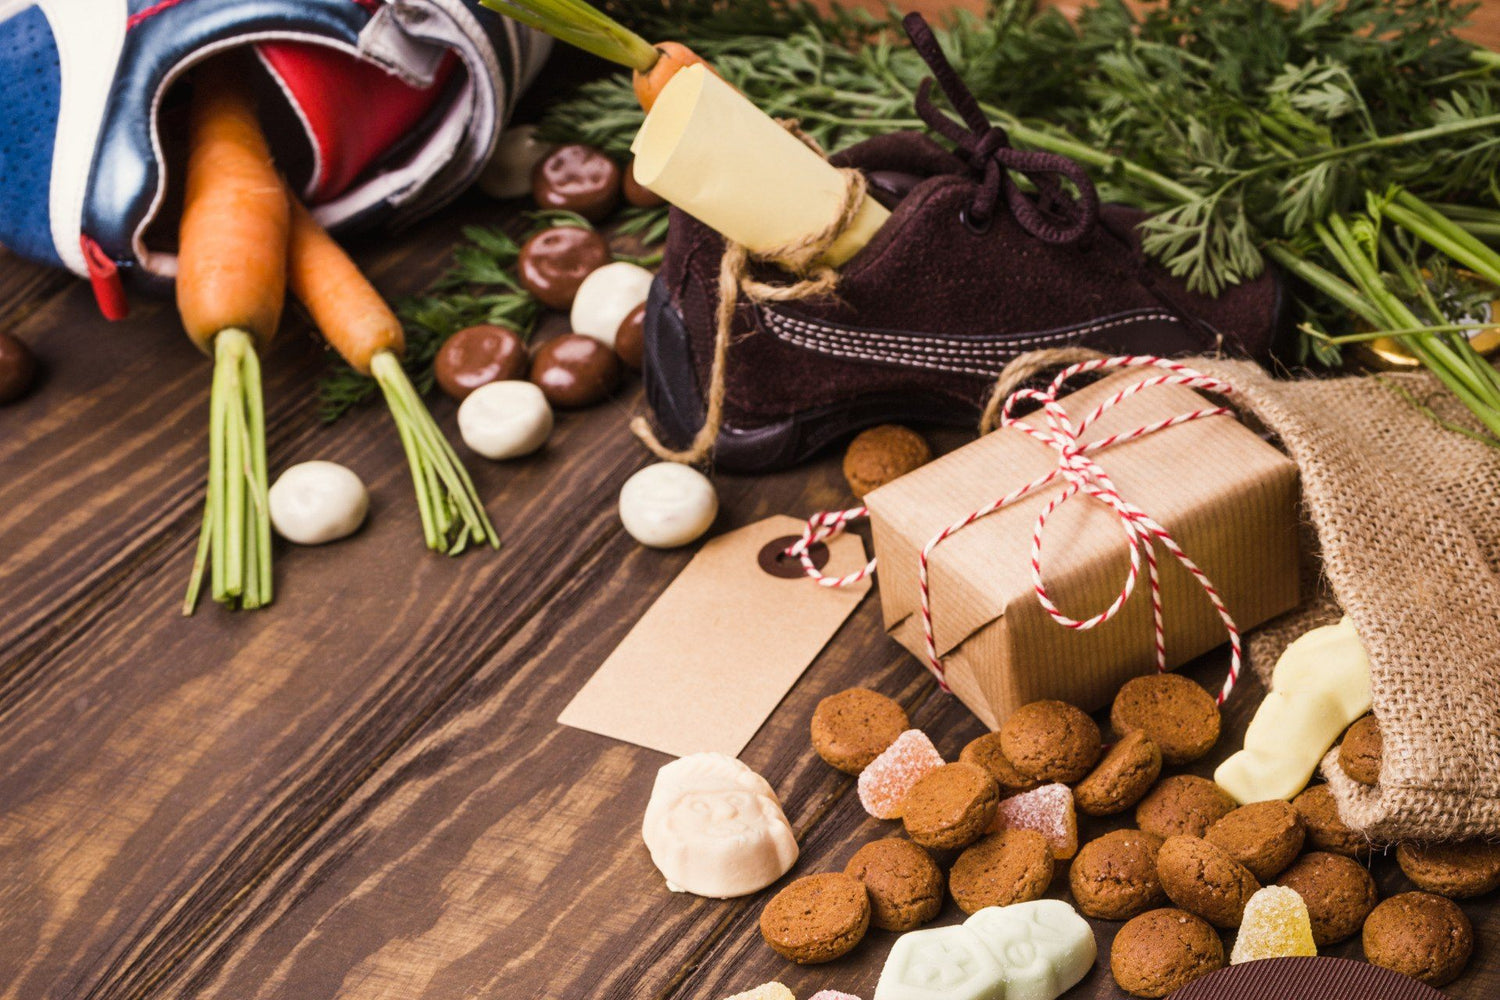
803	259
1080	474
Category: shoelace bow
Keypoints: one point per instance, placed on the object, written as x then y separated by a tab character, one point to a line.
1056	216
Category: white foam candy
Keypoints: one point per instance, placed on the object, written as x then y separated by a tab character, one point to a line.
1029	951
715	828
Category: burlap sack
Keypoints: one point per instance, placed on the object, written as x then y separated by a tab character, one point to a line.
1407	519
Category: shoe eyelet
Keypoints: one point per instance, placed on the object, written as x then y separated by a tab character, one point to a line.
978	226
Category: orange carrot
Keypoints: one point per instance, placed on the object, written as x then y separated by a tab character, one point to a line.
353	317
232	248
671	57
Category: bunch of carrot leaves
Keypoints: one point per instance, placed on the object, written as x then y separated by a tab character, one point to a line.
1354	142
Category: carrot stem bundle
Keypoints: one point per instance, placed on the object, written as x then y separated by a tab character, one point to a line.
357	323
230	285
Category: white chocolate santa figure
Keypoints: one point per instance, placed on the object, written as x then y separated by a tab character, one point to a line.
715	828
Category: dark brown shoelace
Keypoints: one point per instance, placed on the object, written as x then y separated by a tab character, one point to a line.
1056	216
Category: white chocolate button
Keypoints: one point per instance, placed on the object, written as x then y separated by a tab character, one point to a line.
316	502
505	419
606	297
1319	686
1029	951
667	505
508	173
715	828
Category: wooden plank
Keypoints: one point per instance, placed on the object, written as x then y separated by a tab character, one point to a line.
157	767
111	450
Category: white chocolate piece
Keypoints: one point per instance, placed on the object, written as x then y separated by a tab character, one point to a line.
316	502
666	505
1319	686
706	149
508	172
606	297
505	419
715	828
1028	951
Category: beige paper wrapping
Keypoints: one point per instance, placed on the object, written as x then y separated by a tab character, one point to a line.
1229	498
706	149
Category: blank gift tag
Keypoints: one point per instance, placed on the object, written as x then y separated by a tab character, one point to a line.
720	648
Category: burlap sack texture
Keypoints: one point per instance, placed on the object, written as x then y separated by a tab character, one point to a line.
1407	519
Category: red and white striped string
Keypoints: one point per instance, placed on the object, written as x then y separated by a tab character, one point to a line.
1083	475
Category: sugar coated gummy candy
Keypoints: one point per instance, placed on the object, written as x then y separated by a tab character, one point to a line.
884	783
1275	926
1047	810
832	995
765	991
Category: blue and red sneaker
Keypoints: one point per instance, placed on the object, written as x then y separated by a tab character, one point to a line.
377	111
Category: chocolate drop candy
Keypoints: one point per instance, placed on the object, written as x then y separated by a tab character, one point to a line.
630	339
573	371
17	369
637	193
577	178
479	355
554	262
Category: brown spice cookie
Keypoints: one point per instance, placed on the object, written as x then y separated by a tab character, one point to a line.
905	884
1051	741
1114	876
950	806
1265	837
1012	866
1183	805
1180	717
1204	880
1339	894
1126	773
1420	935
1359	751
1457	870
853	727
1325	831
1161	951
817	918
985	751
881	454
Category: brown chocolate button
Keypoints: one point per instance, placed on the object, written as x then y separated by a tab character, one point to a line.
637	194
554	262
577	178
1324	978
17	369
574	370
479	355
630	339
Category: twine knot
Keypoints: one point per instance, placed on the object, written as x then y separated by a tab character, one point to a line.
1077	468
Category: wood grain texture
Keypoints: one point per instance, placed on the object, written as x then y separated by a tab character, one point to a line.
362	792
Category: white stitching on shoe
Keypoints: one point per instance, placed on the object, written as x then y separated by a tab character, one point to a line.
922	352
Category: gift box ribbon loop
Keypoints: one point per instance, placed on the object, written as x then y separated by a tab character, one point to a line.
1080	474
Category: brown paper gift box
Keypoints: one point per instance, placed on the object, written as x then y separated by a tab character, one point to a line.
1228	497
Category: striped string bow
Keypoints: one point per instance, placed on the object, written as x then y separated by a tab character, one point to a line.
1082	475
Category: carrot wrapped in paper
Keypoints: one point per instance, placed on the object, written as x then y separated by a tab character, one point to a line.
583	26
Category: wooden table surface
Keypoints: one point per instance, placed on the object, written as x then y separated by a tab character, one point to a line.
361	792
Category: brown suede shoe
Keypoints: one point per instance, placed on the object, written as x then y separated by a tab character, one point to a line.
970	271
